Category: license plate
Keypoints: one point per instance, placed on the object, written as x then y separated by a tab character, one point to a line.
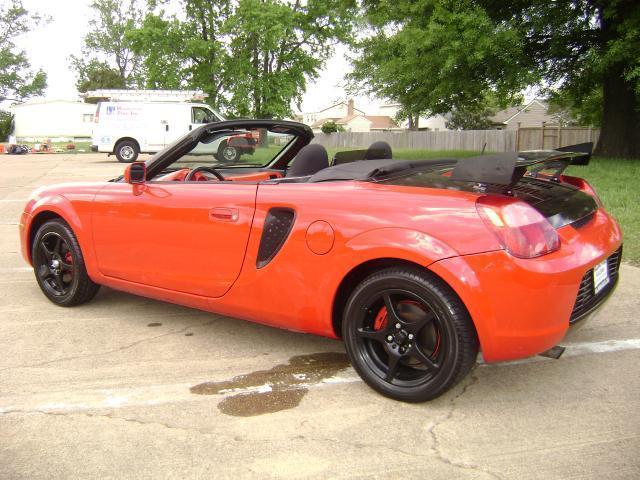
600	277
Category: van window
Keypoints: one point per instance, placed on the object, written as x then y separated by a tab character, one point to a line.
202	115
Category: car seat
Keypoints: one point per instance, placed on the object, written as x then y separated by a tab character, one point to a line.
310	159
378	151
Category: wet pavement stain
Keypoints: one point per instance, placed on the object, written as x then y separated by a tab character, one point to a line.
279	388
154	324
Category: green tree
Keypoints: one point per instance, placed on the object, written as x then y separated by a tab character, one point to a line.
447	53
108	49
95	75
474	118
277	46
17	81
435	56
590	49
252	57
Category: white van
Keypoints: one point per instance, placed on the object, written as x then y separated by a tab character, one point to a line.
127	129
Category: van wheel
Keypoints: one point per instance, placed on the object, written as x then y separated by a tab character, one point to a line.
228	154
127	151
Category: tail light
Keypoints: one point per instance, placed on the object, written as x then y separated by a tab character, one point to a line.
583	185
519	227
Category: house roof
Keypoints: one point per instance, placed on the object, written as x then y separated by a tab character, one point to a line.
342	102
378	122
508	114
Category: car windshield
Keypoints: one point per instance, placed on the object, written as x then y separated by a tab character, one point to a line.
238	147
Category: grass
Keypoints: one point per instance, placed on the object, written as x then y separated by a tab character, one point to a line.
617	182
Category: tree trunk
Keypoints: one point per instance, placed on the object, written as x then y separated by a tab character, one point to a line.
620	118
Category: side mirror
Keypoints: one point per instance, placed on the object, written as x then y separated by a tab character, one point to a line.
135	173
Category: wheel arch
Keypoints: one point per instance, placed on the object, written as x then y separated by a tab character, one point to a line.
38	220
125	139
358	273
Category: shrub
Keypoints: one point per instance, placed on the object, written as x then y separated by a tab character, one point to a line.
331	127
6	125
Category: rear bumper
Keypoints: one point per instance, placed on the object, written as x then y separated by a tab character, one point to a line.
522	307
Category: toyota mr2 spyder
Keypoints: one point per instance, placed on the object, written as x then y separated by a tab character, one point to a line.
416	265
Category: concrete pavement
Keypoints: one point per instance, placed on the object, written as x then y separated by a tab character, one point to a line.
126	387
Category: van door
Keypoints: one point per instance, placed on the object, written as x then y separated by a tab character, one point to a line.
175	120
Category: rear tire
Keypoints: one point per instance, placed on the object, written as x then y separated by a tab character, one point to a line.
59	265
421	349
228	154
127	151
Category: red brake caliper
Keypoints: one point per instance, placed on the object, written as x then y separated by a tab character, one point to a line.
68	258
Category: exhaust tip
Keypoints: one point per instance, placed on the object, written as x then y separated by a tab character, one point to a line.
554	352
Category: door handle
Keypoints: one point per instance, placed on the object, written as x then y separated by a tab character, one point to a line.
224	214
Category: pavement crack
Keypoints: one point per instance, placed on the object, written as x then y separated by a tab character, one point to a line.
436	448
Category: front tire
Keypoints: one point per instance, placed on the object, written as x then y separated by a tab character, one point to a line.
127	151
59	265
408	335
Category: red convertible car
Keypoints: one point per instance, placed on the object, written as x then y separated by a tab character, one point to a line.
416	265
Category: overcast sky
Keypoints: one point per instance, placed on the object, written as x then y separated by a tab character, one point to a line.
49	47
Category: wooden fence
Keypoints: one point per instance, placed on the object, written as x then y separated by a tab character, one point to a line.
550	137
546	137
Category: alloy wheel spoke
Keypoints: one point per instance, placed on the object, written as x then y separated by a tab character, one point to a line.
47	253
59	282
377	335
56	249
66	265
392	313
392	367
423	358
415	327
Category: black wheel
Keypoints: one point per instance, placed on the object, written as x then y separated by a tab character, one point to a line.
408	335
59	265
127	151
228	154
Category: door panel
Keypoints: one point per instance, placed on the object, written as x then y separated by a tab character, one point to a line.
170	235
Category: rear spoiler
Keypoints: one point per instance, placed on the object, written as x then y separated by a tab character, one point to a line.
506	169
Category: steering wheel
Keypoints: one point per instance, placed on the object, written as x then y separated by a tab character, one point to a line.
196	170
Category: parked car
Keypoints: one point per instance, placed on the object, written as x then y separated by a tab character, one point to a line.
128	128
416	265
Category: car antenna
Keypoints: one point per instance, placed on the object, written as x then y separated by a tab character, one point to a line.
483	148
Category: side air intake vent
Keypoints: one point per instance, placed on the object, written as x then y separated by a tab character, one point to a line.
277	227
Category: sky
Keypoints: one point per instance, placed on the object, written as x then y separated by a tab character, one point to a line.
49	47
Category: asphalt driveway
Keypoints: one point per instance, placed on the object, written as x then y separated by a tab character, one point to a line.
126	387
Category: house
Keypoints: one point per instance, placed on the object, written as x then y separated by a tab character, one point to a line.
336	111
530	115
62	120
356	121
434	123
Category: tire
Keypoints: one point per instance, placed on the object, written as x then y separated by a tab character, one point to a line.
228	154
127	151
59	265
419	351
